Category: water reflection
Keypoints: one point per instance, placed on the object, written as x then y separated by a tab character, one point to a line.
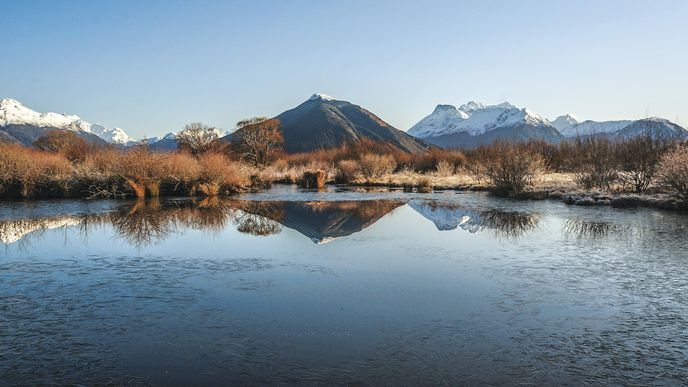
452	215
147	222
570	296
591	229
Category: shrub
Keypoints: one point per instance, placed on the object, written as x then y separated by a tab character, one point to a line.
73	147
180	171
424	184
444	168
219	174
26	172
347	170
639	158
142	170
596	162
374	166
512	168
672	172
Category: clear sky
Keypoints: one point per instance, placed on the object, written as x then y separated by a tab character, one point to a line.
152	66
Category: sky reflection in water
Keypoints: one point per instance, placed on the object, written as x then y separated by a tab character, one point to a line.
341	287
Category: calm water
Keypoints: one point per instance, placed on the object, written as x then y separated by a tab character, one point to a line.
353	287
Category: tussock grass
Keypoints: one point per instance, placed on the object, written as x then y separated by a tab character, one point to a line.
32	173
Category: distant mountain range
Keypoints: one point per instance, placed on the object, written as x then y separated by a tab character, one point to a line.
23	125
325	122
474	124
569	126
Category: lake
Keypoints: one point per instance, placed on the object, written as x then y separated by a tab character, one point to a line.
342	286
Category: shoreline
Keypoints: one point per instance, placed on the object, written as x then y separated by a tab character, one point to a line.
565	194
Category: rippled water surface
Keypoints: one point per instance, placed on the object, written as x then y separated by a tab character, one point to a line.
341	286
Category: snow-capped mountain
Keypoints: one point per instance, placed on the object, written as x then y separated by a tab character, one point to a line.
113	136
474	123
658	127
449	215
565	121
618	128
14	230
573	128
14	114
321	97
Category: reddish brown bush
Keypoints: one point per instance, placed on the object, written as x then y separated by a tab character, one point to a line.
26	172
347	171
218	174
73	147
639	158
672	172
596	163
374	166
511	168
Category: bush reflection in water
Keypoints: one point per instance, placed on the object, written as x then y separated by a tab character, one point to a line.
147	222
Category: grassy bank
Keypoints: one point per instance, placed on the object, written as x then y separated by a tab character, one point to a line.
640	171
113	173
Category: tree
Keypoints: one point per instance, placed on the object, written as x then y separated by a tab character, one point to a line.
197	138
66	142
256	139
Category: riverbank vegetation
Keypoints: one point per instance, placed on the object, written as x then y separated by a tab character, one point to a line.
63	165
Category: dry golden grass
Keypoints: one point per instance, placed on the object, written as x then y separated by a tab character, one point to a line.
26	173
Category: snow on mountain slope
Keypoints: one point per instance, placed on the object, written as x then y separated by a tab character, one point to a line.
114	135
14	230
321	97
444	119
475	119
565	121
589	127
12	112
653	126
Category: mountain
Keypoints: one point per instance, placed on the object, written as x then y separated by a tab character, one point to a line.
564	122
23	125
657	127
450	215
474	124
325	122
320	221
621	128
573	128
168	142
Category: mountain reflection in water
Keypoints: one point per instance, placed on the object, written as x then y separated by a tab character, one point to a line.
148	222
417	289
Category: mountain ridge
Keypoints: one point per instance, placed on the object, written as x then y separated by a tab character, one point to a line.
14	117
323	122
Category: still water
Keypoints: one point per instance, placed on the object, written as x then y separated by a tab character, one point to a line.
345	287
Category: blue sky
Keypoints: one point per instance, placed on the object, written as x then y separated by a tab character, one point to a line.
152	66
